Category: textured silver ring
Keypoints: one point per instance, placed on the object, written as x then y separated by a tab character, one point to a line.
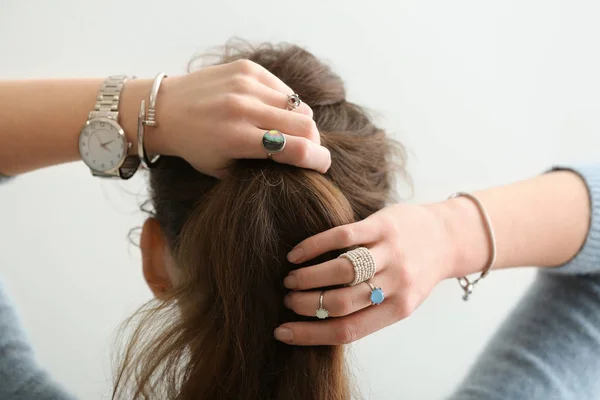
363	263
293	102
321	313
273	142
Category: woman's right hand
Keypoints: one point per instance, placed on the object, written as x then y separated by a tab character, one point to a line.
218	114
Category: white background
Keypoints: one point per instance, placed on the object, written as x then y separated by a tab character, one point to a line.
480	92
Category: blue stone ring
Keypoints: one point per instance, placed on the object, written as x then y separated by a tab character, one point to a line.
377	296
273	142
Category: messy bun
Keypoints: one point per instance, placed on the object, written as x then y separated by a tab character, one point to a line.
212	337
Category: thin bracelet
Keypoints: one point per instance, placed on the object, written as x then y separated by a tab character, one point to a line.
464	282
151	121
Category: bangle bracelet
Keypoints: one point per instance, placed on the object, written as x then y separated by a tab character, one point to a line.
466	284
151	121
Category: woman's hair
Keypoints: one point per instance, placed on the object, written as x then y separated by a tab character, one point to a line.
212	336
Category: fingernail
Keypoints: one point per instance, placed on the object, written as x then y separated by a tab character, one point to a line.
287	301
284	334
295	255
290	282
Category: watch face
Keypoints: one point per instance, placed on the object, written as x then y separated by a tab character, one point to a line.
102	144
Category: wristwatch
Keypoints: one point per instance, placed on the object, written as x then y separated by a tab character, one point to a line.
103	145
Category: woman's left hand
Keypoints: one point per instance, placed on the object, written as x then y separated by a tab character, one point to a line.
413	251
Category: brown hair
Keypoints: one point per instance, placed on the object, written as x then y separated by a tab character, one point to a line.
212	337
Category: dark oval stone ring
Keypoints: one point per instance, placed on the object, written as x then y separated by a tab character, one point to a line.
273	142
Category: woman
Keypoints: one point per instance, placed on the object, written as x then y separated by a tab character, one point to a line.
220	290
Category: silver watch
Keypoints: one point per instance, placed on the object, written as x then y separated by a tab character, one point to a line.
103	145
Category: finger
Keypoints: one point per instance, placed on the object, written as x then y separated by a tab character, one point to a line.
336	331
295	124
338	302
298	151
304	153
339	271
279	100
340	237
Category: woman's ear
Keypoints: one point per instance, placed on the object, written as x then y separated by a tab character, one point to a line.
154	250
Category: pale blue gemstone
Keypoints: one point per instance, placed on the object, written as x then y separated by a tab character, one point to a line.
377	296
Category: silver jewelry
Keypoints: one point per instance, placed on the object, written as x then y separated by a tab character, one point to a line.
363	262
377	295
103	145
273	142
293	102
150	121
464	282
321	313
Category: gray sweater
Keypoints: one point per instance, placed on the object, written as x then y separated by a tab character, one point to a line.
547	349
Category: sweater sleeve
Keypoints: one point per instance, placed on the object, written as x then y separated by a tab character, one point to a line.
549	346
20	376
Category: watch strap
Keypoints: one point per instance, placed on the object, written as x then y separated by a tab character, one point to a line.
126	170
129	167
107	102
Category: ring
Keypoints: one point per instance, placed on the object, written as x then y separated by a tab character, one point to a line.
377	296
273	142
363	262
293	102
321	313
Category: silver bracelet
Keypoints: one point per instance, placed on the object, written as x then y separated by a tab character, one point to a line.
151	121
464	282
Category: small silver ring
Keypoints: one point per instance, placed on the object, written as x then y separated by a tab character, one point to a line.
273	141
293	102
321	312
377	295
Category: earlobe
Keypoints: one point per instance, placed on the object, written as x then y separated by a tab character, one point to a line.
154	246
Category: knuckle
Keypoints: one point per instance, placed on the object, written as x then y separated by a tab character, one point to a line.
245	66
343	305
403	310
344	270
346	236
312	247
405	276
302	152
305	279
233	104
389	228
308	128
345	333
301	335
293	302
308	111
302	303
243	84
